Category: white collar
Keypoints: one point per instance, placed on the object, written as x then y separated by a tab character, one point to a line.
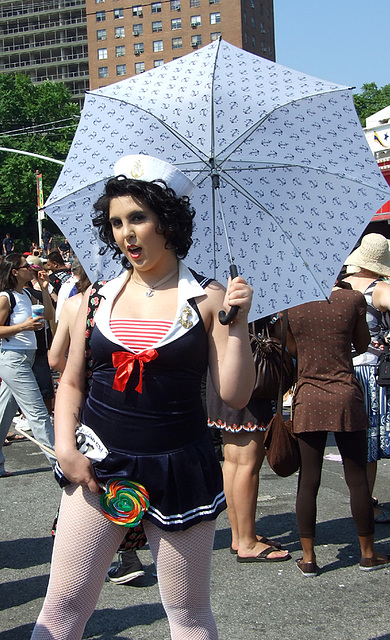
186	316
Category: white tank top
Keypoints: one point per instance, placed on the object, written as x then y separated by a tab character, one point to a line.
22	310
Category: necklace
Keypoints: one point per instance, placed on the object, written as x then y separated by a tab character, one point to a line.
151	288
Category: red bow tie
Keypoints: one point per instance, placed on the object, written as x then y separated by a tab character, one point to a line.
123	361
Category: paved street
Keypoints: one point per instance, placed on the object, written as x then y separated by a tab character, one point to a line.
266	601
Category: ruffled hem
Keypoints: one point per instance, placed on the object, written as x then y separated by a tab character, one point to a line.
235	428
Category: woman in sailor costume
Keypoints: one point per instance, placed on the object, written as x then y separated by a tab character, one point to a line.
155	334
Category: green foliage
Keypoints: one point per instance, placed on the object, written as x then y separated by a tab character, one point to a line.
24	109
371	100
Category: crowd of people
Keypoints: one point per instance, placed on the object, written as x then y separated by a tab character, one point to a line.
136	393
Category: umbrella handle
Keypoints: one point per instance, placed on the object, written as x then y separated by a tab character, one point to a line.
227	318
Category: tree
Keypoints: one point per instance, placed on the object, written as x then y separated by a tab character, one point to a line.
371	100
39	118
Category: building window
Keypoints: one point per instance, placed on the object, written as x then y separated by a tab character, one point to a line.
215	36
100	16
196	41
196	21
156	7
120	51
213	1
177	43
262	29
118	13
158	63
119	32
215	18
246	37
103	72
98	1
137	10
175	24
262	45
138	29
253	23
175	5
158	46
252	4
156	26
120	69
194	3
139	67
138	48
101	34
102	54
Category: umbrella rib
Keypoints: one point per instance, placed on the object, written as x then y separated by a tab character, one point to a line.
175	133
286	165
238	141
249	196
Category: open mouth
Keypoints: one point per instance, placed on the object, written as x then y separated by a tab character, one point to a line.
134	251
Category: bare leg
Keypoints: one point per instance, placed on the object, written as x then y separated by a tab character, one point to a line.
244	455
308	550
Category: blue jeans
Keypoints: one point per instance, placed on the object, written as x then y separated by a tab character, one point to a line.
19	388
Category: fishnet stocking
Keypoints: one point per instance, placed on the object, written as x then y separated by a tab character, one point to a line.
84	547
183	562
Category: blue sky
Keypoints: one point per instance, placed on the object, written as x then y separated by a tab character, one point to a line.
345	41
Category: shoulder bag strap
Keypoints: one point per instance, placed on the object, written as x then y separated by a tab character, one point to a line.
284	325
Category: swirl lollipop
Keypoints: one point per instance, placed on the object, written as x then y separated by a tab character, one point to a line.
124	502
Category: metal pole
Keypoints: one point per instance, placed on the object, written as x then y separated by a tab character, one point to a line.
39	205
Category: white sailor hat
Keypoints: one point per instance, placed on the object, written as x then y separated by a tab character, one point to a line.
148	168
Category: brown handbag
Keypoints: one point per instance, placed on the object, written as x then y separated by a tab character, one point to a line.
267	356
280	442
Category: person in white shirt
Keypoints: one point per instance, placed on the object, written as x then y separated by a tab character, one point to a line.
18	347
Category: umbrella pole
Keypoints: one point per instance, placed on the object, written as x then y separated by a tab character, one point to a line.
225	318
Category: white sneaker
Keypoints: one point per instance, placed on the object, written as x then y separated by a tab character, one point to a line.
22	423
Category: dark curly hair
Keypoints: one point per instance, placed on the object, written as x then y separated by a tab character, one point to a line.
175	214
7	278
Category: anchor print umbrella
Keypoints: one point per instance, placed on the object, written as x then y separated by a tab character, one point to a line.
280	160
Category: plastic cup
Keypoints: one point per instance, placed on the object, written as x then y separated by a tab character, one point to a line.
37	310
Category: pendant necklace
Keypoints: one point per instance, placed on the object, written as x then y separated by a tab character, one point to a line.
151	288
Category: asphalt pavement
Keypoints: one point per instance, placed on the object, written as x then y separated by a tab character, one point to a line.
250	601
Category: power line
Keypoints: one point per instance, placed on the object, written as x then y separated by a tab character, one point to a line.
38	126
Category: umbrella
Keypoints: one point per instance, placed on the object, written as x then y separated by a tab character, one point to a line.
281	153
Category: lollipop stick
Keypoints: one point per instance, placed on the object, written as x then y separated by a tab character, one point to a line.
40	445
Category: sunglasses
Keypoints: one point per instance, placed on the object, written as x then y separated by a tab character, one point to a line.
24	266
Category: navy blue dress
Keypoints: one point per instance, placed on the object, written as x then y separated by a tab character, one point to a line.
159	437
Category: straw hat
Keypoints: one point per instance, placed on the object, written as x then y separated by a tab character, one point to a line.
143	167
373	255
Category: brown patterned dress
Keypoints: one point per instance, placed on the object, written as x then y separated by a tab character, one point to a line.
328	396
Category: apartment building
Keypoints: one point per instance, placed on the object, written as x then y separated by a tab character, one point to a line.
46	40
125	39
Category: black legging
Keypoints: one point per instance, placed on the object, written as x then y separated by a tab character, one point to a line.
352	447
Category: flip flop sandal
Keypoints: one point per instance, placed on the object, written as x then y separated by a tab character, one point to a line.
6	442
263	556
270	543
13	437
